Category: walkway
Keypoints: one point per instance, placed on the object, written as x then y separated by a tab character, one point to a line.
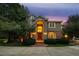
39	51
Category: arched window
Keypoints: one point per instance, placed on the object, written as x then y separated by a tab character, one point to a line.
52	35
39	29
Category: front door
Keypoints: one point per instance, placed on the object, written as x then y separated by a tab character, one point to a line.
39	31
40	37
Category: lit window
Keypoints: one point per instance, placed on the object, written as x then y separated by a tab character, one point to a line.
52	25
32	34
52	35
39	22
39	29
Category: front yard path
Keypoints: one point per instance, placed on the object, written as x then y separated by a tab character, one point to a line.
39	51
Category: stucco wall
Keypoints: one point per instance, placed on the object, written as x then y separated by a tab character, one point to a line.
57	28
59	35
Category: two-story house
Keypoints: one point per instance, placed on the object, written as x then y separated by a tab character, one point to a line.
44	28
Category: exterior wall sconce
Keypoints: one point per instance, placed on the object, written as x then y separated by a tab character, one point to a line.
66	36
45	33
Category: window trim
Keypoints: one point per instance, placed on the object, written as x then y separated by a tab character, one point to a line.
52	26
52	35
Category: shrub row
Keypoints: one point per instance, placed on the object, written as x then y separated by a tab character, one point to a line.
3	41
29	41
56	41
17	42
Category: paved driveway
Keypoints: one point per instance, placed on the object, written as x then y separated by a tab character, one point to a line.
39	51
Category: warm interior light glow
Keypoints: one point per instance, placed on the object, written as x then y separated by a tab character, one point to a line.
32	34
39	22
52	35
45	33
39	29
66	36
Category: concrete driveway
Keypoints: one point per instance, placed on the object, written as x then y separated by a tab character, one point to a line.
39	51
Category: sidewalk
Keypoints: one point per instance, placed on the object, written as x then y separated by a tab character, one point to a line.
38	51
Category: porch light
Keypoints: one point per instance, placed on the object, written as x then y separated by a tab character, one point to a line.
45	33
34	33
66	36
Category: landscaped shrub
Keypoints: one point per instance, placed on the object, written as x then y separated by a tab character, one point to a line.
29	41
50	41
56	41
62	41
3	41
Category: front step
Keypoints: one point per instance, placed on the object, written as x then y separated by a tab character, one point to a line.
39	44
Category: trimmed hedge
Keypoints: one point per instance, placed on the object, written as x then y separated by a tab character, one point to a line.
62	41
56	41
29	42
50	41
3	41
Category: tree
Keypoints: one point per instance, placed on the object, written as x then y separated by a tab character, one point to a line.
72	29
13	19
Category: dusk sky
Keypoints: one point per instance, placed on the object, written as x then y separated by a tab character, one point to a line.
55	10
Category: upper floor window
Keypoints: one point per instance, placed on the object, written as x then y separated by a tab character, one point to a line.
52	25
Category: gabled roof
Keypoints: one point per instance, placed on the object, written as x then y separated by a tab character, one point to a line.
40	17
57	19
